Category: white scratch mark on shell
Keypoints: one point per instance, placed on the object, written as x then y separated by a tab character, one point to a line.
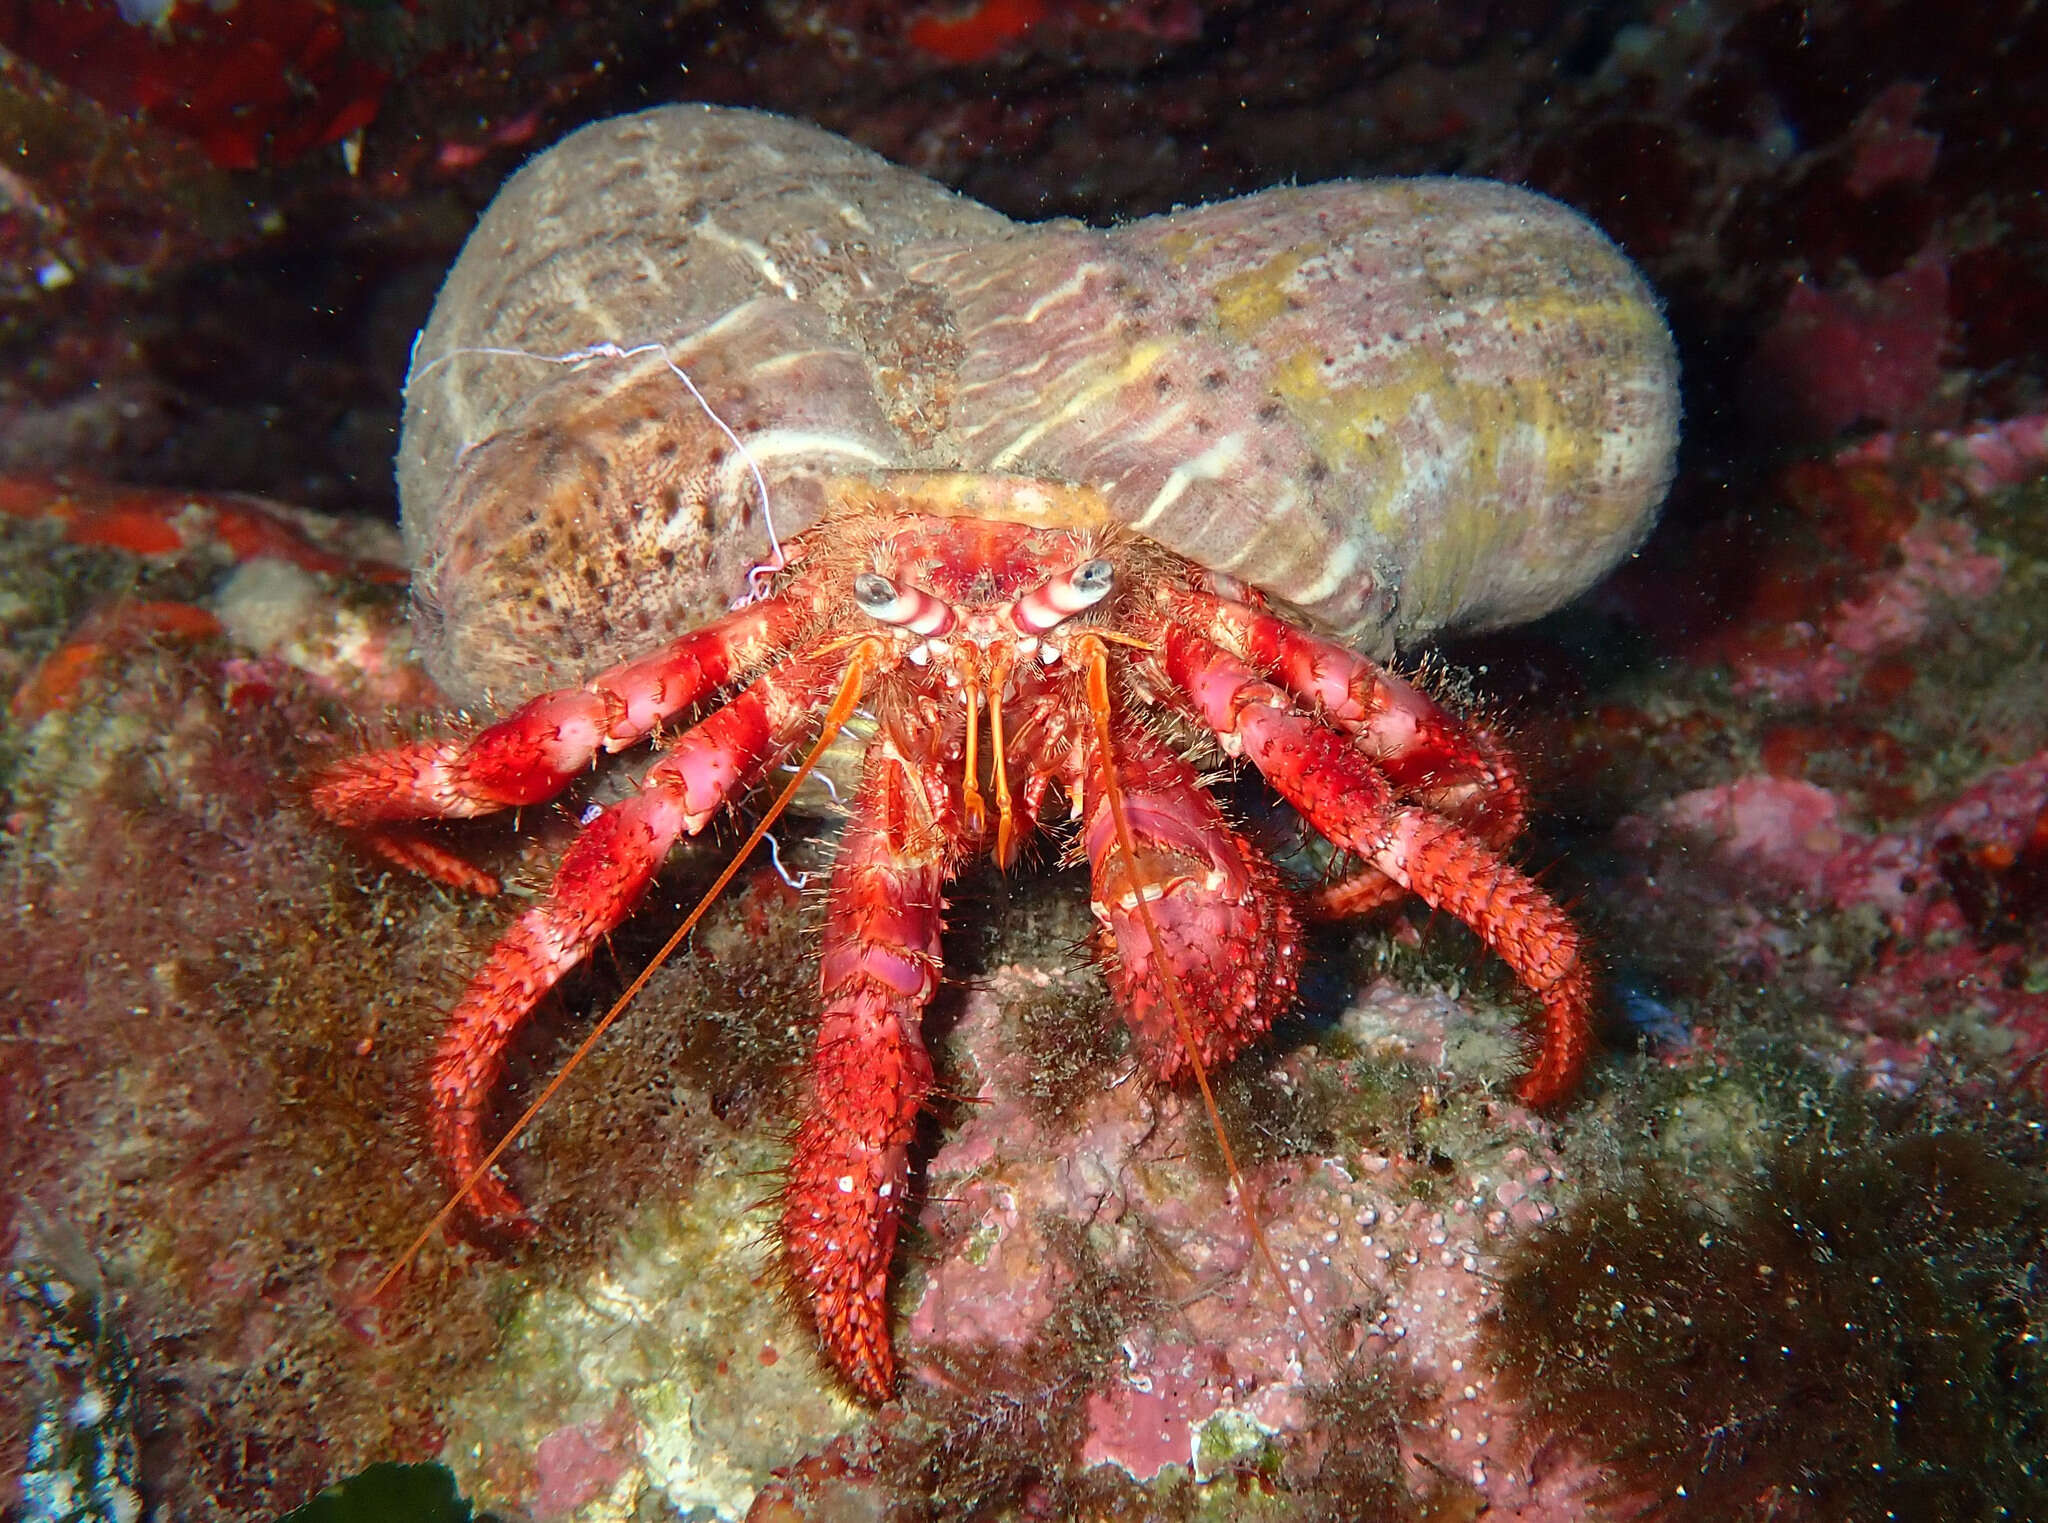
1108	384
1215	462
753	253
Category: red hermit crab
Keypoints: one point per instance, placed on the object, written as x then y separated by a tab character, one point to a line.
1076	510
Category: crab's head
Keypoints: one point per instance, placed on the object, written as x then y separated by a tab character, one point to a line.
970	578
968	596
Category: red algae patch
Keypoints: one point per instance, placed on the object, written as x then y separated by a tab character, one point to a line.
1388	1259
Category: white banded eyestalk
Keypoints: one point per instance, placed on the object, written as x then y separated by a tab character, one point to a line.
1058	598
910	608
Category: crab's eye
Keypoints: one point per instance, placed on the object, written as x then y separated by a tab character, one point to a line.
1093	579
908	608
875	593
1060	597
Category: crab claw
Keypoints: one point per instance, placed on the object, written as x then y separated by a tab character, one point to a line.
1196	914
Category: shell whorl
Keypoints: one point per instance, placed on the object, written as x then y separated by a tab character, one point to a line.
1400	406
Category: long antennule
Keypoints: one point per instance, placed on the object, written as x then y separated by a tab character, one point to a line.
1113	795
858	665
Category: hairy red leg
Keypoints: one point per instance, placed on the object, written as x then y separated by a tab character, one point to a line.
1490	801
415	851
531	754
869	1073
600	879
1225	926
1339	792
1428	754
1493	806
1455	871
1360	892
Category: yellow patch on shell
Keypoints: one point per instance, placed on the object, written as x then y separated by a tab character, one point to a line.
1246	302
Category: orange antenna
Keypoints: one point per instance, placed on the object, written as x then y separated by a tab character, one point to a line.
843	705
972	809
1113	795
1006	815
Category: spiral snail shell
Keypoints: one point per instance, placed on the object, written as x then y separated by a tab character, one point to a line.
1399	406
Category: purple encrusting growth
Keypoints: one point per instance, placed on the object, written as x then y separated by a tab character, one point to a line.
1389	1258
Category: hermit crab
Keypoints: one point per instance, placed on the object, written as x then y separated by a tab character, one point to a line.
729	437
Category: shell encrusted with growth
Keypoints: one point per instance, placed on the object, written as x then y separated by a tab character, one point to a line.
1066	516
1402	406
